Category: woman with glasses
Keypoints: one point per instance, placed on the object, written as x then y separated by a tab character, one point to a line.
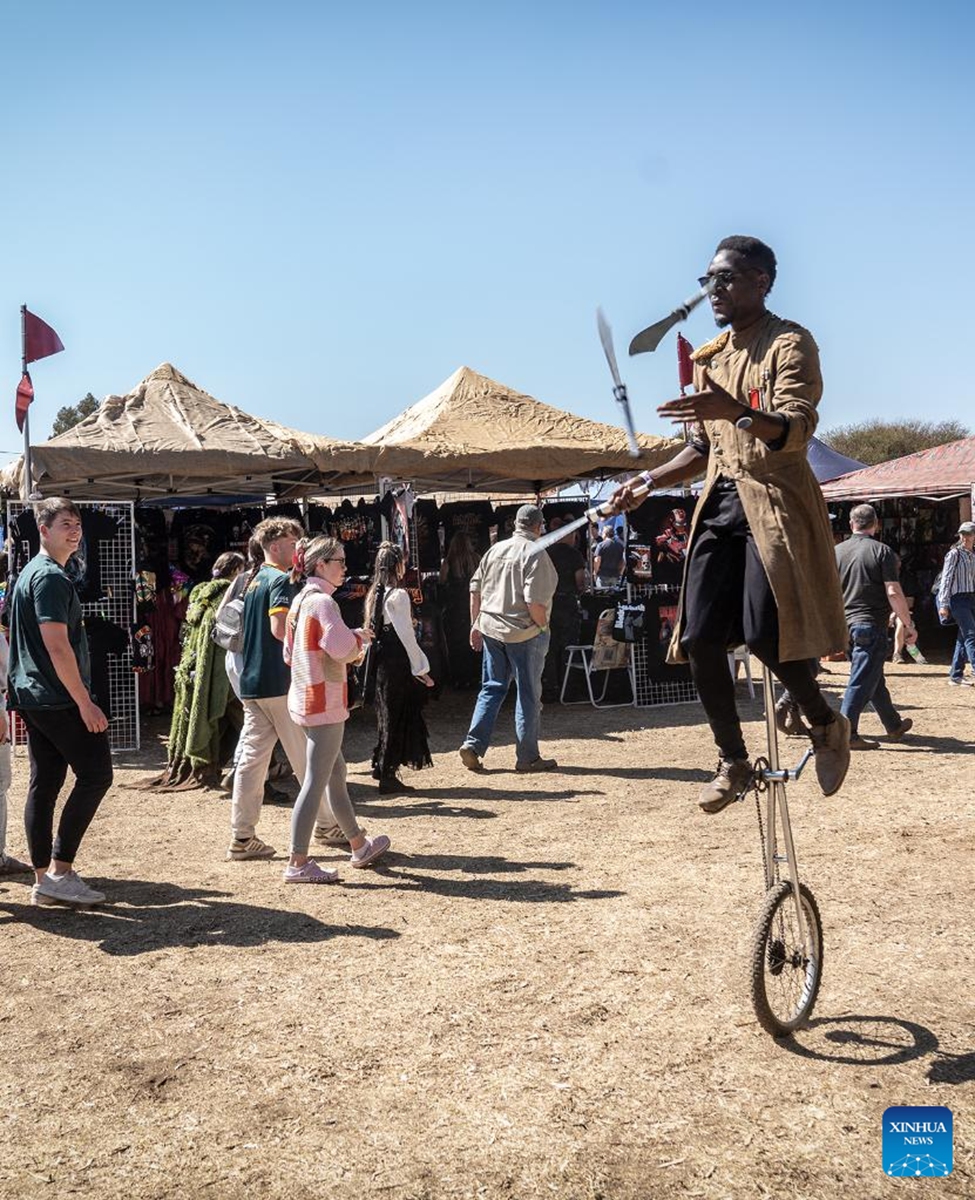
318	646
956	599
400	667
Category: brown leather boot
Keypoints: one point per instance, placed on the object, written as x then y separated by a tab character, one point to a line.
788	719
831	744
731	781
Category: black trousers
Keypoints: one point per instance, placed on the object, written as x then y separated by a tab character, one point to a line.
565	624
57	738
728	601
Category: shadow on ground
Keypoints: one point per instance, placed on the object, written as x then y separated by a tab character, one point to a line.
399	873
144	916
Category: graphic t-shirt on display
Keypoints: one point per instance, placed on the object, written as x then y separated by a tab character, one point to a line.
83	568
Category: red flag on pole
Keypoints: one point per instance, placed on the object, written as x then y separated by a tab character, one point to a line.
40	340
25	394
685	367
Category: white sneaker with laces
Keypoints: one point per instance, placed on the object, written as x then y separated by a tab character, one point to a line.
69	888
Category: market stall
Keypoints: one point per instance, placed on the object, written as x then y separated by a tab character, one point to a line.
167	478
921	499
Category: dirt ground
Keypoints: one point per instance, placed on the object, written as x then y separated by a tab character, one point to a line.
542	993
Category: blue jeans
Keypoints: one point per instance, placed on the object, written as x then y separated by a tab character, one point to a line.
962	606
868	652
502	662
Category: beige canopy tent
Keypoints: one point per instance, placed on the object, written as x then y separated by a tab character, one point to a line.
168	437
474	434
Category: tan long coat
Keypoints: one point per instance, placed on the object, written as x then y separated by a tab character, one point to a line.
779	493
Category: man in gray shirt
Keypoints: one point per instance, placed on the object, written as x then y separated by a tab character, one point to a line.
511	601
868	576
608	560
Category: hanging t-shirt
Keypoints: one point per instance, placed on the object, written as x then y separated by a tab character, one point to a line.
659	530
397	508
658	627
474	517
104	638
319	518
504	520
84	567
196	537
265	673
426	519
357	529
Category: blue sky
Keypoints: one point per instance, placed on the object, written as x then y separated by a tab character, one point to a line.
317	212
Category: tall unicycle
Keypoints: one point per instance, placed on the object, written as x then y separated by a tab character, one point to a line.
786	961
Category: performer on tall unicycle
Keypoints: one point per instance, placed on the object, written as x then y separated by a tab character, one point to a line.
760	567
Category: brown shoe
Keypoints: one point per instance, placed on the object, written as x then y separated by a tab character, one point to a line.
788	719
731	781
540	764
831	744
469	757
861	743
895	735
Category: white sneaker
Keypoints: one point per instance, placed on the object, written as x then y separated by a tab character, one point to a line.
69	888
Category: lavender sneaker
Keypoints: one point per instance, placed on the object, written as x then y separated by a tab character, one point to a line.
374	848
311	872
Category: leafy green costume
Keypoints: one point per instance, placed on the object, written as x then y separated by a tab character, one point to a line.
202	690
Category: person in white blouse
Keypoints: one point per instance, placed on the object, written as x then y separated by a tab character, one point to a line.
402	672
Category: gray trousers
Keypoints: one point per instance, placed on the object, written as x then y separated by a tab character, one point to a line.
324	778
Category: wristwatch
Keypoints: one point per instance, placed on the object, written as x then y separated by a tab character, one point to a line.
744	423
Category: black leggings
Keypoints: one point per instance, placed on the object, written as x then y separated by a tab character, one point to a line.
57	738
727	602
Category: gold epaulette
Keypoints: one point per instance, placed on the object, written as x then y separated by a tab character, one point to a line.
704	354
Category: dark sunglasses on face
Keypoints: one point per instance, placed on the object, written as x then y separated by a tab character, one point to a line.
722	278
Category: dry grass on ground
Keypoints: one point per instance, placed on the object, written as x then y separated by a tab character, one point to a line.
541	994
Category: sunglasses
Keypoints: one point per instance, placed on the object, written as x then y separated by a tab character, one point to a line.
722	278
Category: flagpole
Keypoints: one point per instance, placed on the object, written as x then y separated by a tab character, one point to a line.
27	485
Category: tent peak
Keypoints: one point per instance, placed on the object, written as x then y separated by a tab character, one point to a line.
166	371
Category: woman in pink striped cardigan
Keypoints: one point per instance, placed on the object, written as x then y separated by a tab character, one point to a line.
318	646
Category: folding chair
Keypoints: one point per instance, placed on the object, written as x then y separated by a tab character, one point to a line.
603	657
740	654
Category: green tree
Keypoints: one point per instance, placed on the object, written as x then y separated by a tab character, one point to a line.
879	441
71	414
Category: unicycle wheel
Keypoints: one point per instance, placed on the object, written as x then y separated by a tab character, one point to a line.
785	973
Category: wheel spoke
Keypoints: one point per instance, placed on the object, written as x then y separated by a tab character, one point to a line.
785	970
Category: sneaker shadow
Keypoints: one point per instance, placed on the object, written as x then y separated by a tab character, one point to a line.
500	793
397	874
479	864
378	808
142	916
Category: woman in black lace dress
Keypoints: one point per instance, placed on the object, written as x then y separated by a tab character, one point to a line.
402	675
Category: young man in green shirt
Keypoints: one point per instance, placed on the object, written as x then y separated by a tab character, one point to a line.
49	682
264	682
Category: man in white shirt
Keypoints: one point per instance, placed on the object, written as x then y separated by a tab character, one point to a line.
511	601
